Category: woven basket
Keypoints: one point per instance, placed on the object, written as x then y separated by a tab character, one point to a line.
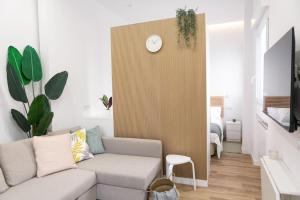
163	189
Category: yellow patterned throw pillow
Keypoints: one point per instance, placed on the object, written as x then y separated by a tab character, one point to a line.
80	149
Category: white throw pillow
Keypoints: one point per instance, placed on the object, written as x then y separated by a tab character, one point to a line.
80	149
215	111
53	154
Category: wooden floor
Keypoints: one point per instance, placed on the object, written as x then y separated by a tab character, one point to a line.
233	177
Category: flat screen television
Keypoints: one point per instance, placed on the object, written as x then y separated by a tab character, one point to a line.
281	88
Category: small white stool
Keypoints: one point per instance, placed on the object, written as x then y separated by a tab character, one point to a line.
172	160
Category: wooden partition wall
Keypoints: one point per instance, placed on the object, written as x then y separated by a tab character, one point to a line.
162	95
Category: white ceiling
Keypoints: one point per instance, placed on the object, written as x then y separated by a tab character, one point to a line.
217	11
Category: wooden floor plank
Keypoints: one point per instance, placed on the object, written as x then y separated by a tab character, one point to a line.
233	177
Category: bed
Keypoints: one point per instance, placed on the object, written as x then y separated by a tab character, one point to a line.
216	125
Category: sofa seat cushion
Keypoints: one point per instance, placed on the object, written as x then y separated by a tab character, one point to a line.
65	185
123	170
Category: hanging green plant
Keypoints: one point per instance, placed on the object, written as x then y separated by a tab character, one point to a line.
187	25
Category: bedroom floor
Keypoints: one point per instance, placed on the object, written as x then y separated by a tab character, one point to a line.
233	177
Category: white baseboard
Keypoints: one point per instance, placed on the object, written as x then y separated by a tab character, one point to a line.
189	181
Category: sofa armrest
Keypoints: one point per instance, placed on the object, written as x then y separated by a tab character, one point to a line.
133	146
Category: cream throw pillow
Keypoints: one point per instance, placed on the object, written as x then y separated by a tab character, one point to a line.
80	149
53	154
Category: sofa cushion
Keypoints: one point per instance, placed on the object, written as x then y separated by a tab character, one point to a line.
123	170
80	149
93	139
89	195
53	154
17	161
3	185
133	146
65	185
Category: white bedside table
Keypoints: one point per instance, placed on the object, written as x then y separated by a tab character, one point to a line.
233	131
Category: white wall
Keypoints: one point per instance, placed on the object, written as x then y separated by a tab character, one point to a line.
75	36
226	65
248	109
282	15
18	22
276	138
144	10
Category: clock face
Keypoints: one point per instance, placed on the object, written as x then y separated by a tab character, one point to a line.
154	43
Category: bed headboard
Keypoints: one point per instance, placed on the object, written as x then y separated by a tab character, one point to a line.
218	101
276	101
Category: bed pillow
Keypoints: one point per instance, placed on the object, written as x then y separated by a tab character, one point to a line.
53	154
80	149
93	139
215	111
215	116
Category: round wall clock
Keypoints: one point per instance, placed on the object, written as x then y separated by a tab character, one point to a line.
154	43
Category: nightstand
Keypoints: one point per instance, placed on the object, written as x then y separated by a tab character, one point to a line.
233	131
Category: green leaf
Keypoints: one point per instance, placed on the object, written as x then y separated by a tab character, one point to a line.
109	103
56	85
104	100
21	120
44	124
31	64
187	25
15	87
39	106
15	60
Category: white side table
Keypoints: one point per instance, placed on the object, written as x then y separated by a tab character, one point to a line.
233	131
172	160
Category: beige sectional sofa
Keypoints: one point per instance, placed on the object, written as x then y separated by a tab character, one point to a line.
123	172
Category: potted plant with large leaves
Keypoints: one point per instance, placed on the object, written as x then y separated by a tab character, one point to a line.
23	70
